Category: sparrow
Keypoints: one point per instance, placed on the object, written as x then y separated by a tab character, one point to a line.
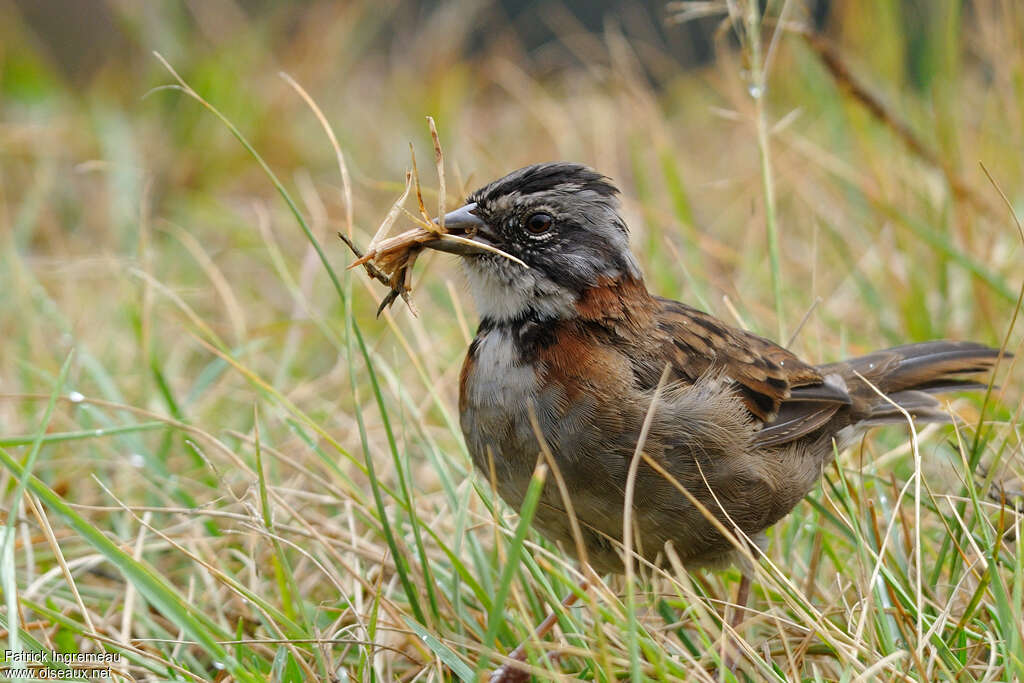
573	354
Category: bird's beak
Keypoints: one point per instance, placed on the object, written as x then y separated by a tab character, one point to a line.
463	223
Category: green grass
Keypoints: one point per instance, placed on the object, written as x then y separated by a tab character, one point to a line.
216	461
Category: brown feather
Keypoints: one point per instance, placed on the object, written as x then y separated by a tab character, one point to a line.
574	349
765	373
794	399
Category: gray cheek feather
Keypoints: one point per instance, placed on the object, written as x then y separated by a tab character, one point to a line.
597	248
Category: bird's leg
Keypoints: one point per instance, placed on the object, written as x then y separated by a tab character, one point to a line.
509	672
742	596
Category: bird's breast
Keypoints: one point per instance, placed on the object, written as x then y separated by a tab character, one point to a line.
496	387
517	380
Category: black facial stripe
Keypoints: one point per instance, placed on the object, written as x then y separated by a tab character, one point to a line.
585	241
530	331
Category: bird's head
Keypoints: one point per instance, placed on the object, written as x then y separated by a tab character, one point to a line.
562	220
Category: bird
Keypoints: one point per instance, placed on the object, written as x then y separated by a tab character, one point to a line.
574	357
574	354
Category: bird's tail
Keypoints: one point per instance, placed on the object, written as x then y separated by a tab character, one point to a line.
909	376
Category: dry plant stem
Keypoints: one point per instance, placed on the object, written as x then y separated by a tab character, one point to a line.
441	185
508	672
803	321
917	518
390	260
757	90
847	82
392	214
563	490
1016	308
424	216
51	538
346	182
627	521
403	249
377	274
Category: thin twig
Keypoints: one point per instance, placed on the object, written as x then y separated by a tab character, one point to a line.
860	92
439	160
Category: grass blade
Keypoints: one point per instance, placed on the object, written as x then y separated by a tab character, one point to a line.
163	596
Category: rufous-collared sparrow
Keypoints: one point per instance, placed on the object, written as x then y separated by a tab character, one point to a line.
574	347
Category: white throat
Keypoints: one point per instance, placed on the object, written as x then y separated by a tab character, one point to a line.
501	295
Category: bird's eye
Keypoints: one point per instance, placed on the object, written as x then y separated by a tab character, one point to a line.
539	223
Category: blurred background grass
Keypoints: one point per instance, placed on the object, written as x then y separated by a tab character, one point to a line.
136	232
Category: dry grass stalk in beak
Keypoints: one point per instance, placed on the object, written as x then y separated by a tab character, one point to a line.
390	259
442	191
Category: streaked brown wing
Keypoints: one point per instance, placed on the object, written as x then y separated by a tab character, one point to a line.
789	396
